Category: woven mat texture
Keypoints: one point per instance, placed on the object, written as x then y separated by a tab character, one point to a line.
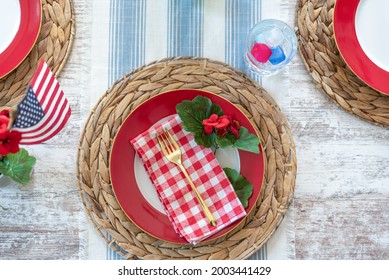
314	29
178	73
53	45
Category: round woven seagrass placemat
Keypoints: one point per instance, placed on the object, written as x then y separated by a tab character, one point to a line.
327	68
177	73
53	45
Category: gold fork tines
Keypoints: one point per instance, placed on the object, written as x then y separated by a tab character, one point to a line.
171	150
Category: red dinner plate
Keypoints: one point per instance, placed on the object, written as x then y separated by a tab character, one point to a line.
121	166
350	48
25	38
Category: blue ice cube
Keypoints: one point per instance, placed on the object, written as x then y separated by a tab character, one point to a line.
277	55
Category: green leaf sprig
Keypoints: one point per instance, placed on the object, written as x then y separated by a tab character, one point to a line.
242	187
194	112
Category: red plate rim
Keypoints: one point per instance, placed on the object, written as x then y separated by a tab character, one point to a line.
121	164
25	38
346	39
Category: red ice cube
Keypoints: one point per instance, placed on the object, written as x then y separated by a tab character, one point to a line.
261	52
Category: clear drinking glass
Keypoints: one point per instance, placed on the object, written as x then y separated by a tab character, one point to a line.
271	44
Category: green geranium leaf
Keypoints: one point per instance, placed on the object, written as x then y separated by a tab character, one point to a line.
242	187
192	114
205	140
225	141
215	109
18	166
247	141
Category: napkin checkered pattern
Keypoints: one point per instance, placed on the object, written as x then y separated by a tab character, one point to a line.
175	193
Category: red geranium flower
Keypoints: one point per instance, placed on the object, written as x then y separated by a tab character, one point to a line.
4	113
222	132
224	121
235	127
4	122
10	143
214	121
208	129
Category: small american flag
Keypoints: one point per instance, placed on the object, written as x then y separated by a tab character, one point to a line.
44	111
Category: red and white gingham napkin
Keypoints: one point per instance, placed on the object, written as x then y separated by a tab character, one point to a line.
180	202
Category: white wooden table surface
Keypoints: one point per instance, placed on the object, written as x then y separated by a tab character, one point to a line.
340	210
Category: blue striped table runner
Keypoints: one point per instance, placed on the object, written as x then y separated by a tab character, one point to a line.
130	33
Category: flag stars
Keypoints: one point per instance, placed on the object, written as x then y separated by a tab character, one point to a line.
30	111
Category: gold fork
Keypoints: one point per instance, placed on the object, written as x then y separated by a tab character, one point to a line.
172	152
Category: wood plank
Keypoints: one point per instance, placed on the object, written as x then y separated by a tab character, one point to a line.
343	181
45	219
